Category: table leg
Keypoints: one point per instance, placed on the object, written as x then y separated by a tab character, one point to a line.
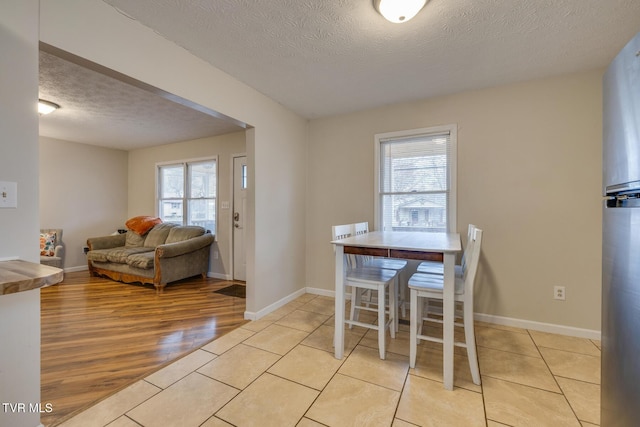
338	341
448	311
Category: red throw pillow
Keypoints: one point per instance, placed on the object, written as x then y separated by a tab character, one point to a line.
142	224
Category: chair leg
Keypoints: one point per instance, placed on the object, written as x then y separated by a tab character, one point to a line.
470	340
402	292
381	323
413	328
393	308
395	303
420	313
355	301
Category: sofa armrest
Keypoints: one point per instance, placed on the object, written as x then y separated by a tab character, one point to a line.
171	250
106	242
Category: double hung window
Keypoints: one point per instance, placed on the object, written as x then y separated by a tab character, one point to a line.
415	180
187	193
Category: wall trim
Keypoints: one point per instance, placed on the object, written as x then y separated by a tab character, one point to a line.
252	315
508	321
78	268
220	276
322	292
539	326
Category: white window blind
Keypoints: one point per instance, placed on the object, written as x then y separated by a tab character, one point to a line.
416	180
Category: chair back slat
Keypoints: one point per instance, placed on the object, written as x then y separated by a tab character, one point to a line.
473	261
342	232
469	247
360	228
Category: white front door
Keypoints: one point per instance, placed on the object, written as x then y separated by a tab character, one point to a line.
239	217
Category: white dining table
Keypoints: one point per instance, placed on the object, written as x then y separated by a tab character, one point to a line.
421	246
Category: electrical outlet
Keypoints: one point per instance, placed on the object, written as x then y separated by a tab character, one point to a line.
558	293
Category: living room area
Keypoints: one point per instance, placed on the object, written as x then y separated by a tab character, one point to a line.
98	171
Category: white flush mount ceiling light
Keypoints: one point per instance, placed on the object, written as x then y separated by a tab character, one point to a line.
46	107
398	11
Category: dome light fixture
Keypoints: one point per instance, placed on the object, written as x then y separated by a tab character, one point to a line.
398	11
46	107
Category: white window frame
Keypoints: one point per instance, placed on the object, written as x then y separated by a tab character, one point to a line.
186	191
451	169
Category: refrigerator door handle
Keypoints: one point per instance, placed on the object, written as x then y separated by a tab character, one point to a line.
620	189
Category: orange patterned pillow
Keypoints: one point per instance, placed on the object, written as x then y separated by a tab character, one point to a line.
142	224
47	244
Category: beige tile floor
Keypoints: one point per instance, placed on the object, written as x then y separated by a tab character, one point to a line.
280	371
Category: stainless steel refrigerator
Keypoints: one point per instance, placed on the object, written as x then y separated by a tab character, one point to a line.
620	399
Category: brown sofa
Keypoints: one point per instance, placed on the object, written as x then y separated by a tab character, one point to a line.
166	253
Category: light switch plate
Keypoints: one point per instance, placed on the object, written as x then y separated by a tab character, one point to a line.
8	194
224	205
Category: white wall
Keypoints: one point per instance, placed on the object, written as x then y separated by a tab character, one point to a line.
276	148
20	312
83	190
529	172
142	182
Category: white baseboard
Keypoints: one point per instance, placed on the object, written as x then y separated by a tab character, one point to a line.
322	292
220	276
539	326
507	321
488	318
78	268
252	315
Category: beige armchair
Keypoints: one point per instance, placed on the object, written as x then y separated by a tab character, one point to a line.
51	247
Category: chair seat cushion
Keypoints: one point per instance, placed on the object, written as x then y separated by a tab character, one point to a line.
433	283
371	275
391	264
430	267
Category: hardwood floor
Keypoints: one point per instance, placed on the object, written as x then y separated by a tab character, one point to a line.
98	336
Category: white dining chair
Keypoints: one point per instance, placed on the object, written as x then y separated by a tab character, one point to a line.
365	296
430	286
435	267
379	280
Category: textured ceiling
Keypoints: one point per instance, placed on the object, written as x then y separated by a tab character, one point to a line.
101	110
328	57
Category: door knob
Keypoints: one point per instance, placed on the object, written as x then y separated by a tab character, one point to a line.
236	216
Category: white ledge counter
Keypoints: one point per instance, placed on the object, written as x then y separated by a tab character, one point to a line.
20	276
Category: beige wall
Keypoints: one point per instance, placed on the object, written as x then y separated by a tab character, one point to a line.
83	190
529	172
525	151
19	312
142	185
276	146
